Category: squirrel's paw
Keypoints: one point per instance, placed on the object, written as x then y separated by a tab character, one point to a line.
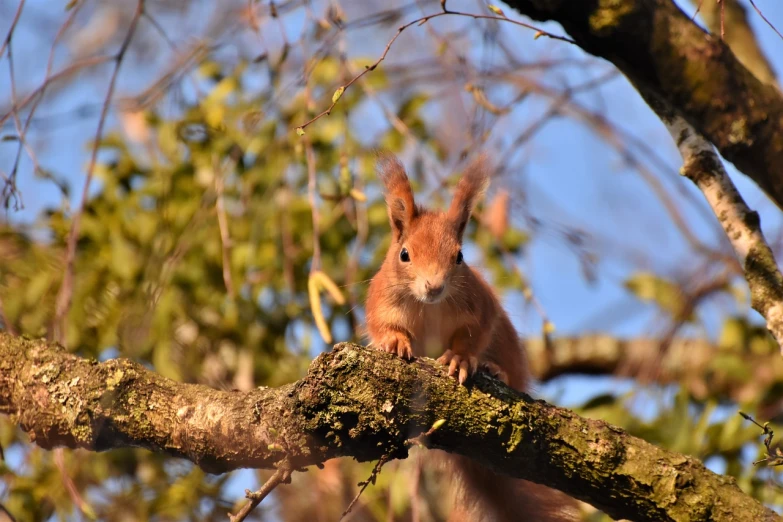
396	343
460	366
494	370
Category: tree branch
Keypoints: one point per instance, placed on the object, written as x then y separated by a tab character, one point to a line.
740	372
742	225
662	51
361	403
731	17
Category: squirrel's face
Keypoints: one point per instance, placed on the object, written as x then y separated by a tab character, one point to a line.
427	249
429	258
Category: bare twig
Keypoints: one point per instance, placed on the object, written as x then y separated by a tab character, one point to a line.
49	64
370	480
420	21
70	486
71	69
311	196
64	296
281	476
225	237
10	190
762	17
10	34
774	457
20	131
742	225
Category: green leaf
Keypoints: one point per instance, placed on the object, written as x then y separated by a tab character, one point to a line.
337	94
495	9
664	293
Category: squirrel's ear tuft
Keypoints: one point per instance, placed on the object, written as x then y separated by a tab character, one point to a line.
470	188
399	196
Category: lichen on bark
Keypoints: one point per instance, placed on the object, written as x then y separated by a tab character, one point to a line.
364	404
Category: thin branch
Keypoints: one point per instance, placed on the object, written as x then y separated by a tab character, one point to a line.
419	21
70	69
315	264
742	225
65	295
21	132
9	189
762	17
225	237
370	480
9	36
49	64
281	476
70	486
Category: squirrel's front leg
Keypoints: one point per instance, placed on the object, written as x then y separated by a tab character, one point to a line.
395	341
465	349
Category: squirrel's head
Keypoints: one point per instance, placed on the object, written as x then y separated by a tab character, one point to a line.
426	249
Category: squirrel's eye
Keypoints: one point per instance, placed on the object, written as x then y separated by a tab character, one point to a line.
459	257
404	256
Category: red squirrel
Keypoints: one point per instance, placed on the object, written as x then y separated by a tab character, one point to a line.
425	298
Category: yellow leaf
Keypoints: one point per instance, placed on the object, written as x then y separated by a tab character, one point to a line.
549	327
315	307
329	285
495	9
358	195
300	131
438	423
336	96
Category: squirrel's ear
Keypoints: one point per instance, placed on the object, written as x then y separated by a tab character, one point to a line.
399	196
469	189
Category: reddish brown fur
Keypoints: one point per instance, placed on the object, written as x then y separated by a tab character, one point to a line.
468	325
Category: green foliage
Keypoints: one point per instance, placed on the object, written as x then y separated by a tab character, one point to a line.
667	295
149	273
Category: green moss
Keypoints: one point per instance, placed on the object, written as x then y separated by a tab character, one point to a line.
609	15
739	132
114	379
764	279
82	433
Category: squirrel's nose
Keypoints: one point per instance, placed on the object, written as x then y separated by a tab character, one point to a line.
433	290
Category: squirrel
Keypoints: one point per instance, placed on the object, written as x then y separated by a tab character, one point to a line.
425	298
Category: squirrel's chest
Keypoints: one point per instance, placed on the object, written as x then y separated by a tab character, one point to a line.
432	331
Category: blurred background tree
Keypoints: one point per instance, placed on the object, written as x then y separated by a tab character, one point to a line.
208	231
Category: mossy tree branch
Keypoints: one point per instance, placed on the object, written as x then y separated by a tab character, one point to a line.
665	54
740	373
360	403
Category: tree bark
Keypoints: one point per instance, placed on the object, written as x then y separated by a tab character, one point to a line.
731	17
664	53
742	374
360	403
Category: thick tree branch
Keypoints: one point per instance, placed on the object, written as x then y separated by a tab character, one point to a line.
742	225
664	53
361	403
740	373
731	18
